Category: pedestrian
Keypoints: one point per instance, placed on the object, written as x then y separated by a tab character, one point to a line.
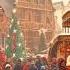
61	64
54	64
18	65
44	63
38	63
26	66
8	66
32	66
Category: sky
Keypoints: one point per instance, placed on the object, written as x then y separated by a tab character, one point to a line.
64	1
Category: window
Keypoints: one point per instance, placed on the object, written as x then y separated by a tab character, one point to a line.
38	16
36	1
21	13
42	2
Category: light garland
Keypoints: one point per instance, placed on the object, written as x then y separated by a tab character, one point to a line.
19	44
8	35
13	54
14	30
14	11
12	20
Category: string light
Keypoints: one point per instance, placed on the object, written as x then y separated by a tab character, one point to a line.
21	34
14	10
14	30
12	20
18	22
6	46
13	54
10	26
19	44
8	35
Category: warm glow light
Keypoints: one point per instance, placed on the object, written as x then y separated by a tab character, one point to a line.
6	46
19	44
13	55
18	22
14	10
15	31
12	20
21	34
8	35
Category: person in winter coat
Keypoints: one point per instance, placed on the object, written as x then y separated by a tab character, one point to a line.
33	66
54	64
38	63
26	66
18	65
61	64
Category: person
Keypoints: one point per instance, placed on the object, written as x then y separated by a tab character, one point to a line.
32	66
7	66
1	67
61	64
18	65
27	64
54	64
38	63
44	63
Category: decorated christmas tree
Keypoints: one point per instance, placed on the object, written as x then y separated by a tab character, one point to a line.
42	43
15	41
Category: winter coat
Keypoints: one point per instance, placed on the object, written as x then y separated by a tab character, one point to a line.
18	67
26	67
32	67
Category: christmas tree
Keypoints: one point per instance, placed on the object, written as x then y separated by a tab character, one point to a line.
15	43
42	43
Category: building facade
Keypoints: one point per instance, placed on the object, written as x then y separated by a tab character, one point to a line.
35	16
60	10
61	47
3	27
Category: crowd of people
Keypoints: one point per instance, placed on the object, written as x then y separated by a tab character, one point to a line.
38	63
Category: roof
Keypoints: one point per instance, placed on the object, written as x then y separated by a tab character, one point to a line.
66	13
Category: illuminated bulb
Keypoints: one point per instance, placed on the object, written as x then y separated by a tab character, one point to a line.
21	34
13	55
15	31
8	35
12	20
19	44
18	22
14	10
10	26
6	46
21	59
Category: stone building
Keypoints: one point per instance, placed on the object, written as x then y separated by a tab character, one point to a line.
60	10
3	26
61	47
35	16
